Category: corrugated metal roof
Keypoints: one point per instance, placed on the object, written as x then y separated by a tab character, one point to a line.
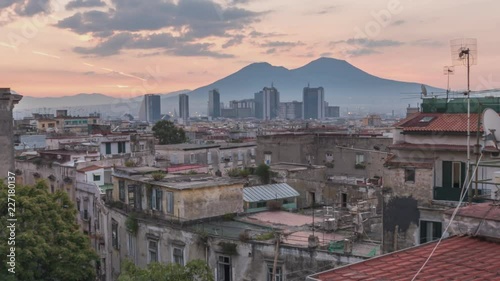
268	192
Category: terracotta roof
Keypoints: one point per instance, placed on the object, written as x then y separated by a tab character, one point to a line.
485	211
89	168
435	147
456	258
438	122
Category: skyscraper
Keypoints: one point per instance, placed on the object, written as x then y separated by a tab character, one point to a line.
184	107
214	103
313	103
267	103
150	110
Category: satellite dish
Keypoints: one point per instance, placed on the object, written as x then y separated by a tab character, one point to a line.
424	90
491	124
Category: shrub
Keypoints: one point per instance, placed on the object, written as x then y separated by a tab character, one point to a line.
132	224
264	236
130	163
158	176
233	173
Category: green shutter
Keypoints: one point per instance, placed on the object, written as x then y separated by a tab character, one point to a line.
108	148
447	168
463	172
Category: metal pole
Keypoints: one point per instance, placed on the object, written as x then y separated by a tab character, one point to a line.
468	126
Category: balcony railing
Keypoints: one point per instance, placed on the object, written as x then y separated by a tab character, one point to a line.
453	194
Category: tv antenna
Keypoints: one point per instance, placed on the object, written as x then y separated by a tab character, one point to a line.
464	52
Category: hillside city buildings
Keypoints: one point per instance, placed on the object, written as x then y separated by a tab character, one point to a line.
341	196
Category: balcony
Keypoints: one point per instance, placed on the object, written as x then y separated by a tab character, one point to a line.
453	194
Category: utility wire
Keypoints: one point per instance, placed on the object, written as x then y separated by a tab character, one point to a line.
451	220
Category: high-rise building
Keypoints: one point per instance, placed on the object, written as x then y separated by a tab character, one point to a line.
7	101
267	103
290	110
214	104
150	110
313	103
332	111
184	107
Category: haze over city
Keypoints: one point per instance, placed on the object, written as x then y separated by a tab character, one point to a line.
122	49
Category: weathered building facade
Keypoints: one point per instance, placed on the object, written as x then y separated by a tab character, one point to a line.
7	102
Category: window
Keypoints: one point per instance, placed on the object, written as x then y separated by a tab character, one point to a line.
453	174
121	147
410	175
426	119
261	204
240	155
152	251
131	245
192	158
97	177
52	188
224	268
131	195
329	156
178	255
457	175
360	158
108	148
170	202
142	147
156	199
430	231
121	190
267	159
114	234
78	204
209	157
279	273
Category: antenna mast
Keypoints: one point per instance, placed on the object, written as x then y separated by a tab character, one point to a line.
464	52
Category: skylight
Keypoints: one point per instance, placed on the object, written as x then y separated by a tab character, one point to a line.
426	119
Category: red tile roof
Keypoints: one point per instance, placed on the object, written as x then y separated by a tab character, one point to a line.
89	168
434	147
440	122
487	211
456	258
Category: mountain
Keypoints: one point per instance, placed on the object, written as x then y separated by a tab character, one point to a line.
345	85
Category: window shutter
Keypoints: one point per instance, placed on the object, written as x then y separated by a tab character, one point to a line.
447	168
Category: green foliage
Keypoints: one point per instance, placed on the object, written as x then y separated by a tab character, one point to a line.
264	236
229	216
360	166
48	243
194	270
192	172
264	173
167	133
132	224
130	163
158	176
233	173
228	248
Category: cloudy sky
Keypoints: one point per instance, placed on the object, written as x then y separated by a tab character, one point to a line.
130	47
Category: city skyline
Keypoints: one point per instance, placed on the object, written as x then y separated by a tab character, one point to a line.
61	53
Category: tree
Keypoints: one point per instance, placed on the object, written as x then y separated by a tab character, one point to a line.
48	242
167	133
264	173
194	270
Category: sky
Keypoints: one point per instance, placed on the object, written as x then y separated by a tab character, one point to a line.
126	48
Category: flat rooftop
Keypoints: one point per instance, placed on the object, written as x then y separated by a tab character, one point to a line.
174	181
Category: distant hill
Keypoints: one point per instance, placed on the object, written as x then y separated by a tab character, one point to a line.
345	85
82	104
